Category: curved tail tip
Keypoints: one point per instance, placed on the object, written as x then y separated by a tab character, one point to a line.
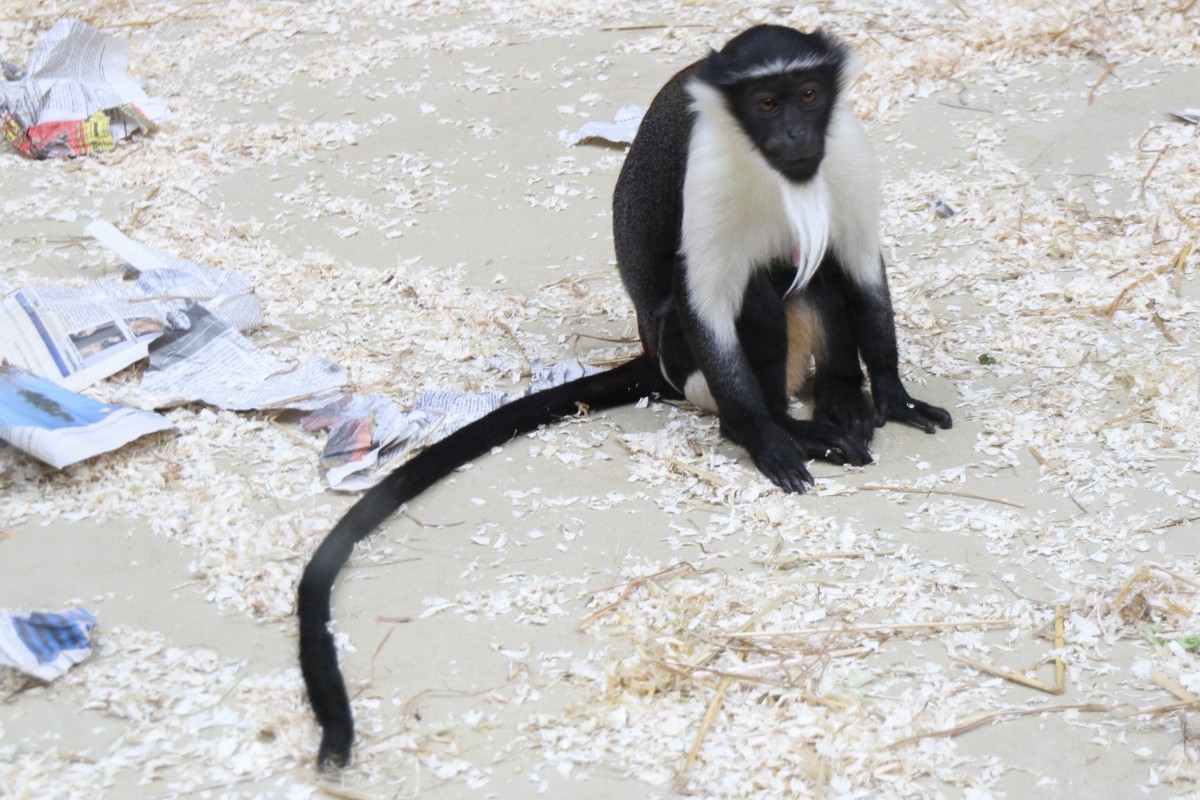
335	748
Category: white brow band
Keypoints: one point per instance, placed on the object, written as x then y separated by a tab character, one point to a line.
781	66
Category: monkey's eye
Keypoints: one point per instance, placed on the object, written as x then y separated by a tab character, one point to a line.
766	105
808	95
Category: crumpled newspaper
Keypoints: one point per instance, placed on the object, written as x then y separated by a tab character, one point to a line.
368	433
74	97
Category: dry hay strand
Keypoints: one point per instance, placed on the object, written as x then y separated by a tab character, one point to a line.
979	719
627	589
1059	685
1151	574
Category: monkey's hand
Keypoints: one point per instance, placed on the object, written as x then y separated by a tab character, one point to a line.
779	458
894	403
819	439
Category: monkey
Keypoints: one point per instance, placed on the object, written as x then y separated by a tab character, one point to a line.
746	229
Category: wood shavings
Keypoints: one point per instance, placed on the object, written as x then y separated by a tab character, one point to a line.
374	168
1058	687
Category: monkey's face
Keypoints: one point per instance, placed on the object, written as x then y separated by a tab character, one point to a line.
786	117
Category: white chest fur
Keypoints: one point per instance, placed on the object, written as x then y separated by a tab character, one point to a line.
739	214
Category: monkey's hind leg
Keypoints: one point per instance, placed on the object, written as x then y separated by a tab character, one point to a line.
841	425
817	325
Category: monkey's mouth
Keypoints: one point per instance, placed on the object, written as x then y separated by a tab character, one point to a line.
798	168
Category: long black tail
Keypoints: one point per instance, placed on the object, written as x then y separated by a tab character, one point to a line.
318	658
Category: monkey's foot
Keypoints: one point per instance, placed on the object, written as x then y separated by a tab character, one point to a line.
844	407
894	403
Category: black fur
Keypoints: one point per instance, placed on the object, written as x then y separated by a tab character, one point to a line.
748	387
800	75
757	46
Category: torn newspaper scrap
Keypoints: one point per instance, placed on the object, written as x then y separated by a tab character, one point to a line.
365	433
45	644
60	427
620	131
75	97
368	433
77	336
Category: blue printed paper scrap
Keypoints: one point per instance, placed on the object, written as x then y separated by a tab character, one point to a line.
45	644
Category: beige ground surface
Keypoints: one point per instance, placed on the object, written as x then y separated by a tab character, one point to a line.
621	606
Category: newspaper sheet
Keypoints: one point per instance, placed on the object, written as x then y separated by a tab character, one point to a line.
367	433
61	427
205	358
77	336
183	315
74	97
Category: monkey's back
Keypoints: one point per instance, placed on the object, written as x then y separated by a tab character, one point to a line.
648	205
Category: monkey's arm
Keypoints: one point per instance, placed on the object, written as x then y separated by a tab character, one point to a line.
746	420
854	184
741	404
870	313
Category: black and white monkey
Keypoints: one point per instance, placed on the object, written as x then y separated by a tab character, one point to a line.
746	224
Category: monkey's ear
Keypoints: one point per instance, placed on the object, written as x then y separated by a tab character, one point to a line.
717	68
851	69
